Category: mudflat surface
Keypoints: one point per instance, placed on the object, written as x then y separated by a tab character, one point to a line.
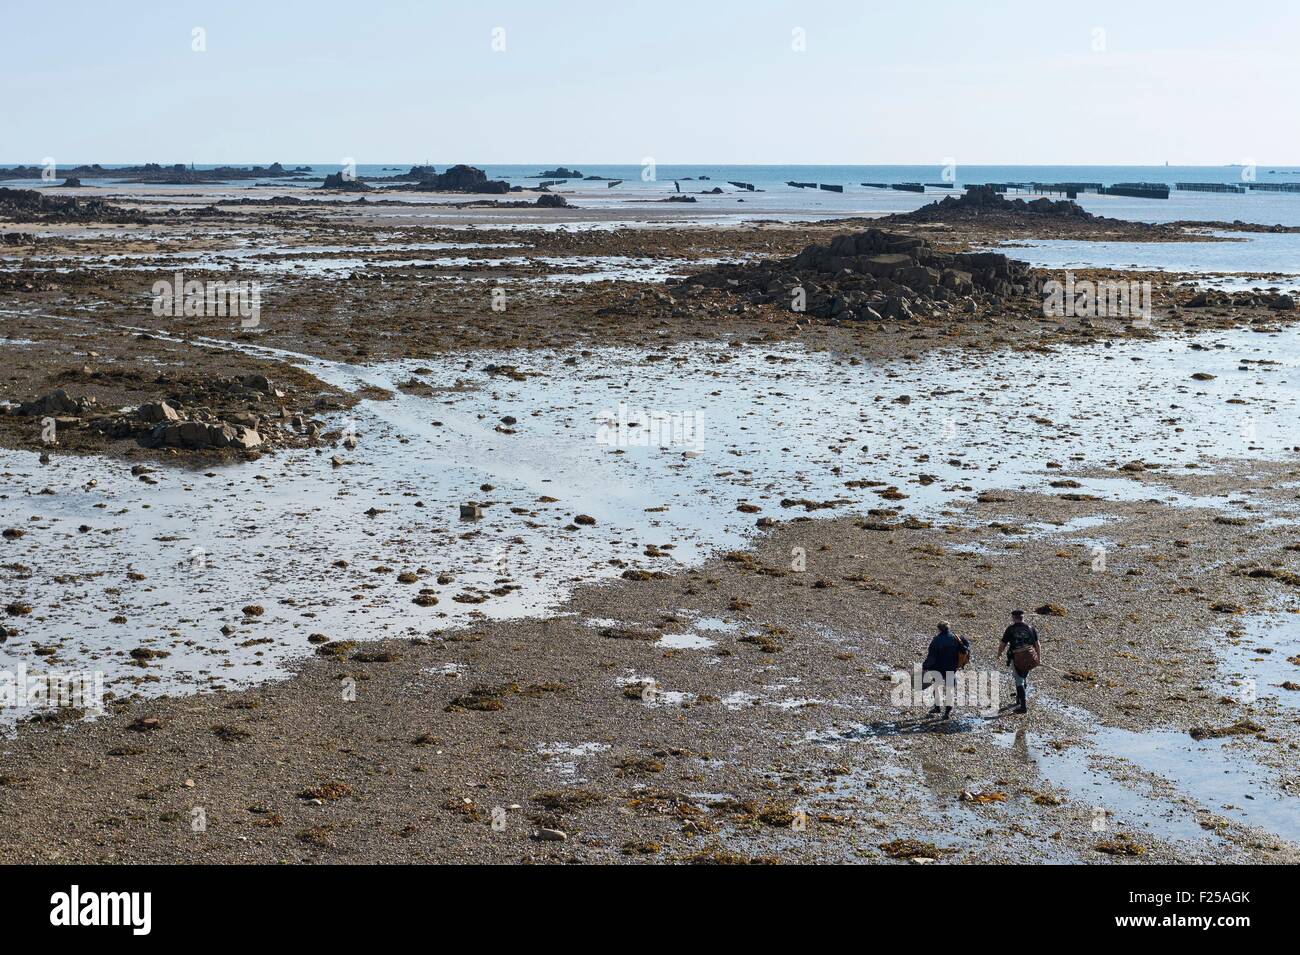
312	657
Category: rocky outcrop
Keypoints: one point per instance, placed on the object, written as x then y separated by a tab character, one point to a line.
873	275
27	205
982	202
339	183
561	172
552	202
461	178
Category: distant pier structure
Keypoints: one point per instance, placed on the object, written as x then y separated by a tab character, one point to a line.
829	187
1070	190
1137	190
1208	187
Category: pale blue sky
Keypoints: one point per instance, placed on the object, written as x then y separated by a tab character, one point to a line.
712	81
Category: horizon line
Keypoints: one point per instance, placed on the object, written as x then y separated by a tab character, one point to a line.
587	162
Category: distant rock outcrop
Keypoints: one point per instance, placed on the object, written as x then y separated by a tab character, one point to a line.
462	178
982	202
339	183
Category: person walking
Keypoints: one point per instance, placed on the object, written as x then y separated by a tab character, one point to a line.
946	655
1024	653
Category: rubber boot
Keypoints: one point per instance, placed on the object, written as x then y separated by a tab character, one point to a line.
1022	705
947	712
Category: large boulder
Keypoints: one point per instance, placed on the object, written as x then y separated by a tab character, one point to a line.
157	411
256	382
917	277
245	439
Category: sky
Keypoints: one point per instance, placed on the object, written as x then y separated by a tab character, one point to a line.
718	81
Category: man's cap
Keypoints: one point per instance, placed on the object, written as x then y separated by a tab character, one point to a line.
944	625
1017	613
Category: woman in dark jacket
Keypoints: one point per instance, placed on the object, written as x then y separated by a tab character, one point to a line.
943	657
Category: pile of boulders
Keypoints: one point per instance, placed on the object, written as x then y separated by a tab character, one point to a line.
215	415
874	275
199	435
164	427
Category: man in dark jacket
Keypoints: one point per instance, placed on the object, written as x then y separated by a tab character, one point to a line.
942	657
1019	636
